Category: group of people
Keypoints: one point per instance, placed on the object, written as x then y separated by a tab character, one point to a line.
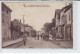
42	36
25	37
38	37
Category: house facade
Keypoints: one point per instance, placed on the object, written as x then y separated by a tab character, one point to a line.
69	25
57	25
66	22
6	22
28	29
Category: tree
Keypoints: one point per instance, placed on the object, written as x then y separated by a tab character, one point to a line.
53	22
48	26
15	27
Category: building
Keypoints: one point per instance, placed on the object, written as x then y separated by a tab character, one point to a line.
66	22
6	22
28	29
22	27
57	23
39	32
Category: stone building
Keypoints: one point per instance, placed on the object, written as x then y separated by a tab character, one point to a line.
22	27
66	22
28	29
6	22
57	25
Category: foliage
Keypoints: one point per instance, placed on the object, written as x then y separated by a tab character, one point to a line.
15	27
48	26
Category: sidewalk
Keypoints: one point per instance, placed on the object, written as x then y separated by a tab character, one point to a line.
65	44
4	44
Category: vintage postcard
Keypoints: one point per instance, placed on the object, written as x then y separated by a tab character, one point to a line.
37	25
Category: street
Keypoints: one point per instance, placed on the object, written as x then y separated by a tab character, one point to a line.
52	28
31	42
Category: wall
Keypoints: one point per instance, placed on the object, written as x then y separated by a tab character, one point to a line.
69	17
6	21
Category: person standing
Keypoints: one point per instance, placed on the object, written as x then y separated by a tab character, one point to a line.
41	35
24	38
38	37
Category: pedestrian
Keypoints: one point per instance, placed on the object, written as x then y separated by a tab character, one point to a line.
24	38
38	37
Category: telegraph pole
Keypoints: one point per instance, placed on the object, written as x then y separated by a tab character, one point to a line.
24	23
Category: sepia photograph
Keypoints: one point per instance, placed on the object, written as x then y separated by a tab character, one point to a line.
41	25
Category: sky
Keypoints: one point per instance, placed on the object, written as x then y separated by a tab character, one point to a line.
34	16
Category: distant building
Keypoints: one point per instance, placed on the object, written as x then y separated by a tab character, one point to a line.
39	32
22	27
28	29
6	22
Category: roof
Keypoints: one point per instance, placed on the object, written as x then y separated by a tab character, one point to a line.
67	7
6	6
57	11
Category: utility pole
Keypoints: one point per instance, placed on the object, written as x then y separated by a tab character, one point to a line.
24	23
